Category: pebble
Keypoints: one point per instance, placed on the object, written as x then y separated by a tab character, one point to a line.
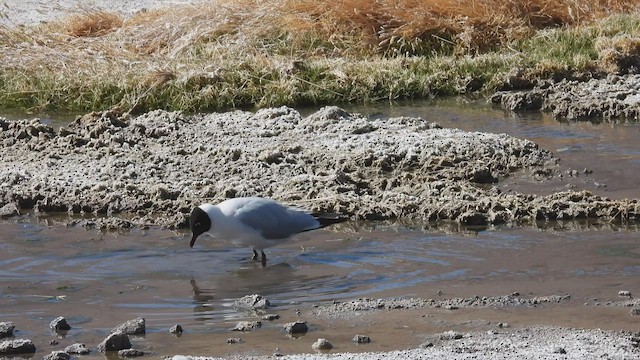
131	327
234	340
59	324
361	339
322	344
503	325
57	355
176	329
253	302
247	325
635	312
270	317
6	329
77	348
559	350
298	327
624	293
130	353
17	346
115	342
450	335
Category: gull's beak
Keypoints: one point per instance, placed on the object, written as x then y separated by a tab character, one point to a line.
193	240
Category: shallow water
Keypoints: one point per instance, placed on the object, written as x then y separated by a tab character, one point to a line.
98	280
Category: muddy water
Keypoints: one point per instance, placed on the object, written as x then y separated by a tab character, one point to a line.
97	280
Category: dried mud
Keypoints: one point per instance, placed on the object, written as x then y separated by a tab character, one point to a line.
152	169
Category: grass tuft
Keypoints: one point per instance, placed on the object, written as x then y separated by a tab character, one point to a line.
93	23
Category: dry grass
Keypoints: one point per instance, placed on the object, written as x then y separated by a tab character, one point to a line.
237	53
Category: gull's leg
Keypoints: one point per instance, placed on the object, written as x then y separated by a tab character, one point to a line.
255	255
264	259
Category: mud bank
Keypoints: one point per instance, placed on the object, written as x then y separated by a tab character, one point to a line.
154	168
615	97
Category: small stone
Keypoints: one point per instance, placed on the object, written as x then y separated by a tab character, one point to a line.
635	312
492	332
624	293
503	325
559	350
426	345
17	346
9	210
6	329
234	340
247	326
77	348
361	339
298	327
270	317
54	342
131	327
130	353
450	335
515	293
451	307
59	324
176	329
252	302
322	344
57	355
115	342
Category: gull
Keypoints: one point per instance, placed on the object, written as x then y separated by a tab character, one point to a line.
256	222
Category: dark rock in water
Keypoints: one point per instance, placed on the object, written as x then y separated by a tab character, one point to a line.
247	325
9	210
361	339
59	324
252	302
54	342
77	348
130	353
6	329
176	329
298	327
234	340
132	327
322	344
270	317
57	355
115	342
17	346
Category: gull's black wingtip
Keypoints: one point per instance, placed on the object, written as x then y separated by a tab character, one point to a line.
326	219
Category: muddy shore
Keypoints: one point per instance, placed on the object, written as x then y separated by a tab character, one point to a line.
152	169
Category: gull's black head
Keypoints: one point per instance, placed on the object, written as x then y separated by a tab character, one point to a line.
199	223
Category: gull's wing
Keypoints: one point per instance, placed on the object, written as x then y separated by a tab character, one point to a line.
273	220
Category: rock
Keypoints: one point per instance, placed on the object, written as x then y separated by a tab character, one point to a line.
450	335
624	293
298	327
77	348
131	327
322	344
17	346
6	329
361	339
115	342
503	325
57	355
252	302
270	317
9	210
635	312
176	329
559	350
234	340
54	342
59	324
130	353
247	325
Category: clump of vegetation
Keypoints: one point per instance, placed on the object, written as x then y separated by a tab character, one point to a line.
242	53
